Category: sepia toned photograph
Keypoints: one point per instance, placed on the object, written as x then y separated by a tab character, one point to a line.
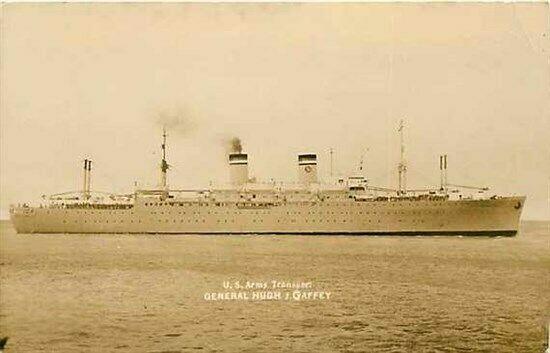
275	177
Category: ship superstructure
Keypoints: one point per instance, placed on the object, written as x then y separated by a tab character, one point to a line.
350	206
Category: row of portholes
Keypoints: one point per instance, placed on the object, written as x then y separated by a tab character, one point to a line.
99	212
320	212
233	221
303	203
436	212
98	221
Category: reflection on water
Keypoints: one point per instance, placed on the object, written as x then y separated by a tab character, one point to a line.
145	293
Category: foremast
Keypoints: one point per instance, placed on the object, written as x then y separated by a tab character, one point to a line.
164	166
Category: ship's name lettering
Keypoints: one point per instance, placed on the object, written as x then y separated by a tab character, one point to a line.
310	295
273	284
256	295
293	285
256	285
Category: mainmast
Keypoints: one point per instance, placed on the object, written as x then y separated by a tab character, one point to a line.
163	164
362	162
402	166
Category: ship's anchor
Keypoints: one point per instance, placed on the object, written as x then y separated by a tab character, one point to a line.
518	205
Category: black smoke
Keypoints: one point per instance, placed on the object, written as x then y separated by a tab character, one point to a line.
235	145
176	122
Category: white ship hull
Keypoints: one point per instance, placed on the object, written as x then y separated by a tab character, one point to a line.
498	216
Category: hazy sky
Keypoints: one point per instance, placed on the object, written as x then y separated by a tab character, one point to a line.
93	80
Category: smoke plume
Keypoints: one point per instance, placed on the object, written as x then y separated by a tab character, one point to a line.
176	122
235	145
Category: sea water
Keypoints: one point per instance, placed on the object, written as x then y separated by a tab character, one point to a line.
278	293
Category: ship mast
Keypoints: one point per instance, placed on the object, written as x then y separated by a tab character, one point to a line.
362	161
163	164
402	166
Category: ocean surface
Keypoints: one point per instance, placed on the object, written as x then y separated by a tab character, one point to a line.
154	293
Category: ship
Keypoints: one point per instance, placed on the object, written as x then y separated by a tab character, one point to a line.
347	206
